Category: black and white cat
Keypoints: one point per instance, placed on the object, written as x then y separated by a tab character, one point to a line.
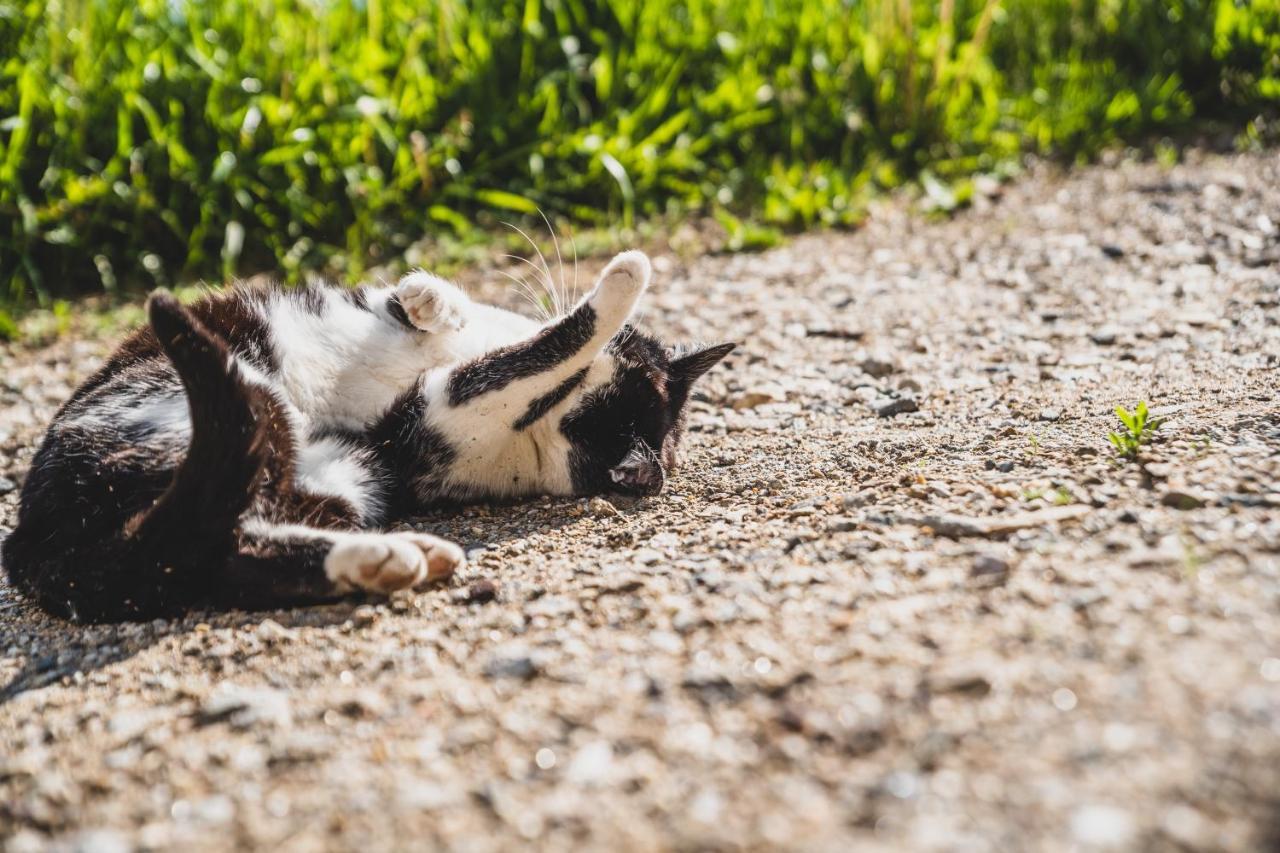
247	449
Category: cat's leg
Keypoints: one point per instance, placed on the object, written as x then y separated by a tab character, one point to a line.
279	564
431	304
506	382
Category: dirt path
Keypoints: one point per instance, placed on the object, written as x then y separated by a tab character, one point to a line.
960	626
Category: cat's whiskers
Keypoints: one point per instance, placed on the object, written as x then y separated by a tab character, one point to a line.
559	258
526	290
547	282
548	287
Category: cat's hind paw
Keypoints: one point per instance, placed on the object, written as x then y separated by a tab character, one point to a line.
431	303
387	562
619	287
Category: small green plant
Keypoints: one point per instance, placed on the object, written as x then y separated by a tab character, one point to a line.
1139	427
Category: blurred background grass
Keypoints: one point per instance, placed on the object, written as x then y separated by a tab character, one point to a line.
147	142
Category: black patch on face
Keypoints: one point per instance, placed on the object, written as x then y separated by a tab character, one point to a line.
546	402
417	455
631	413
498	369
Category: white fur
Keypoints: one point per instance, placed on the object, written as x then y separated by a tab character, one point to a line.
168	415
331	467
378	562
348	365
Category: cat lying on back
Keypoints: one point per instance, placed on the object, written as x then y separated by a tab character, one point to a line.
246	450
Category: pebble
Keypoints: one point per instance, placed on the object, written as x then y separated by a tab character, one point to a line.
887	407
1102	826
272	632
509	664
246	707
987	566
7	485
1180	499
480	592
967	677
601	508
877	368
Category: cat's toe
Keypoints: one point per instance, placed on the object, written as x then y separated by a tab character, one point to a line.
443	557
628	270
377	563
431	304
620	285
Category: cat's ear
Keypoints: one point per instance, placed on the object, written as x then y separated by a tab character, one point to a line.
690	366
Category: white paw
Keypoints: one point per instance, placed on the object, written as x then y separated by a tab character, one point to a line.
620	284
431	303
628	271
386	562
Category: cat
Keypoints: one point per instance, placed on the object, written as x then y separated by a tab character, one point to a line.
249	449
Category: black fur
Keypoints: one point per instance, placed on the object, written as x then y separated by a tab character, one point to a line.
548	401
397	312
498	369
418	455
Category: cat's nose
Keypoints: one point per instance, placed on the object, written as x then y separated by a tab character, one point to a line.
638	476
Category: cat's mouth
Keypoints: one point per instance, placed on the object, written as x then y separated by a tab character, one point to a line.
640	474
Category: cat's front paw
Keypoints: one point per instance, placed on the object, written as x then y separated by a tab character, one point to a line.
387	562
431	303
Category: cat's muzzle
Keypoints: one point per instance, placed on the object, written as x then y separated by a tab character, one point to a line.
640	473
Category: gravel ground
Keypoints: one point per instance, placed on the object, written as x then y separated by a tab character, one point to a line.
903	595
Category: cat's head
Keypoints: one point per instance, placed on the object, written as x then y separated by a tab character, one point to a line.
624	433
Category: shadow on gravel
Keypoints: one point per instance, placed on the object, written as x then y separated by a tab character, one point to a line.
53	650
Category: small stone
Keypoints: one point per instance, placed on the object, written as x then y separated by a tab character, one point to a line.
364	615
591	764
887	407
910	385
601	508
877	367
245	707
1102	826
1104	337
988	566
272	632
1111	251
965	678
859	499
480	592
1050	415
7	485
363	704
1179	499
836	332
511	664
759	396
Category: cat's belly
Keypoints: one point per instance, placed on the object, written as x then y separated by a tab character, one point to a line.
344	366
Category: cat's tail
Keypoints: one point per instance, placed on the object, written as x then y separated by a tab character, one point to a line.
215	482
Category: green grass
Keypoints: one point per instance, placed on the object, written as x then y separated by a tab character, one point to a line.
150	142
1139	428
